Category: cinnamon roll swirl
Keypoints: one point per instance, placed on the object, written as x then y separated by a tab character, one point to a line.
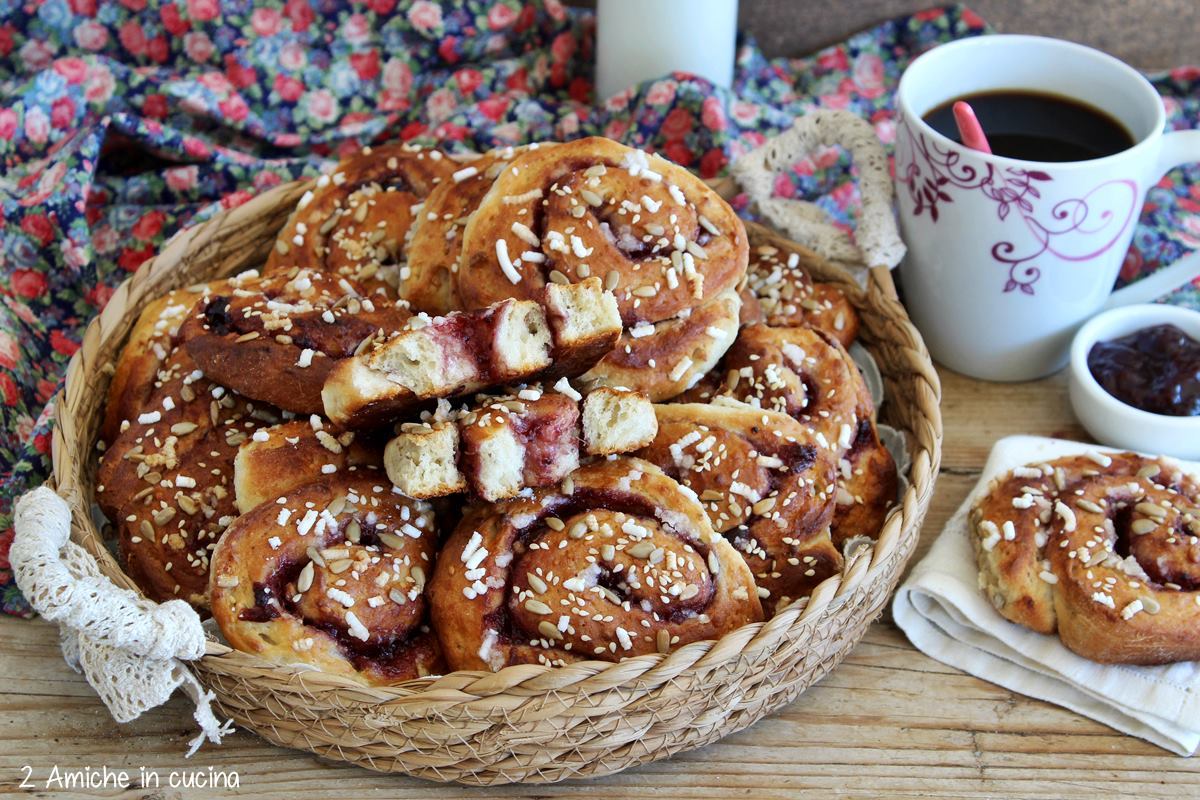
618	562
779	292
151	342
332	575
1101	549
166	482
435	248
798	372
662	241
279	458
808	375
356	220
763	484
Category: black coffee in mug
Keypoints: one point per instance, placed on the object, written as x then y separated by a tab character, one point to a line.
1034	126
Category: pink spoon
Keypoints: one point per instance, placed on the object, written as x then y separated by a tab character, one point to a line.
969	129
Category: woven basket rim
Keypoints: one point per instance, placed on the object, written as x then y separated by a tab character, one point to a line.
73	477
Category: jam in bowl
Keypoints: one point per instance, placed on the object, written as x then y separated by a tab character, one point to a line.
1156	369
1133	379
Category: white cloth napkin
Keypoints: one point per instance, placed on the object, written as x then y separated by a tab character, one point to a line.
945	615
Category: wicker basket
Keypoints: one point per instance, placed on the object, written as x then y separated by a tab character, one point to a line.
526	723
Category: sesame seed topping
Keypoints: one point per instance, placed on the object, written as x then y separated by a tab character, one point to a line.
525	234
464	173
506	265
356	628
537	607
681	368
1066	514
563	386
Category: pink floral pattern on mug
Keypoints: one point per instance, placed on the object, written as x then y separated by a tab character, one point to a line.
1076	229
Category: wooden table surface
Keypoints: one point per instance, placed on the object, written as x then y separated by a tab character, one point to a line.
889	722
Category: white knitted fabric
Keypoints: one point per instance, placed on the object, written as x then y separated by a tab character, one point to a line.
878	241
129	649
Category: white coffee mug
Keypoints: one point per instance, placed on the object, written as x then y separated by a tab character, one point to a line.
1006	258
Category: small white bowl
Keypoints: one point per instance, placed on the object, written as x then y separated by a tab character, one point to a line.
1108	419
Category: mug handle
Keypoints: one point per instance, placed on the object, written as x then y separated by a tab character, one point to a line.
1178	148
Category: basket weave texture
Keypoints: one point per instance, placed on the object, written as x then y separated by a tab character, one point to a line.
531	724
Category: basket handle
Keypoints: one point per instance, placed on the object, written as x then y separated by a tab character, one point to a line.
130	649
877	242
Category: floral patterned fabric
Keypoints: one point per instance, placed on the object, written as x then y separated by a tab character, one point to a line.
122	121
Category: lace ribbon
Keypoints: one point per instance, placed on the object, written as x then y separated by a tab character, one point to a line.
878	241
129	649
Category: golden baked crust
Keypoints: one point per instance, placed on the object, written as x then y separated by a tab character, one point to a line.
868	485
782	294
605	181
277	337
798	372
565	574
665	359
1100	548
511	342
810	376
664	243
167	481
868	482
1011	556
1151	610
435	248
334	577
356	220
587	260
764	484
150	343
279	458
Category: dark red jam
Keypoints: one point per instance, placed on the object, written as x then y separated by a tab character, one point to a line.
1156	369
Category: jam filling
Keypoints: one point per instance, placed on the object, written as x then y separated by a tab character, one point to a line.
308	329
1163	554
270	596
271	601
386	658
474	331
265	607
863	438
543	431
797	455
217	316
1155	369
